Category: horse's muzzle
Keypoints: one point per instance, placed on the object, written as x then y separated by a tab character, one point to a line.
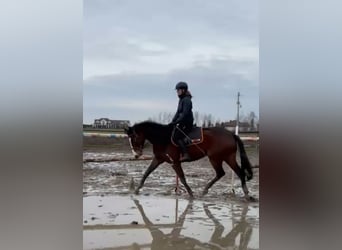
137	154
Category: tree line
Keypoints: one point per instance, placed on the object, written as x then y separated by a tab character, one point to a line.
208	120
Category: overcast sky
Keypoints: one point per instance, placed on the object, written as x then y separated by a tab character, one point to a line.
136	51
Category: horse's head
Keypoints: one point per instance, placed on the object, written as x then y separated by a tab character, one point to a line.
136	141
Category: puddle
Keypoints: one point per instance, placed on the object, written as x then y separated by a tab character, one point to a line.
159	219
150	222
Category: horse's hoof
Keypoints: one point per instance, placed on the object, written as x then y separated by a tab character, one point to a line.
250	199
136	191
249	176
178	191
204	192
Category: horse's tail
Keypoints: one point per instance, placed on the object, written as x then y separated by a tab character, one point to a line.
245	164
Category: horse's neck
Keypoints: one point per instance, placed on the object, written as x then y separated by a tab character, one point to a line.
158	136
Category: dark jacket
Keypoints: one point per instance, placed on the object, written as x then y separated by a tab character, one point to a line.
184	114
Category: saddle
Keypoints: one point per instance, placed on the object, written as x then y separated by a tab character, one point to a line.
195	136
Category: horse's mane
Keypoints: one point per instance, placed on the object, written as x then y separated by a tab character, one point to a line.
155	132
148	124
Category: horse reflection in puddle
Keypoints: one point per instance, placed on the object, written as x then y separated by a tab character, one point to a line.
176	240
242	228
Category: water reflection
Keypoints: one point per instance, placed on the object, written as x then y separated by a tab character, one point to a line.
242	228
194	225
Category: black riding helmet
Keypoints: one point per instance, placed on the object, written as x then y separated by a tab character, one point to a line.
182	85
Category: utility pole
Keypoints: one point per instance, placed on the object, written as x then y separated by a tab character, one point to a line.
236	132
238	114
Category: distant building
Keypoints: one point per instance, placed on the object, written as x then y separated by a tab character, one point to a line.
243	126
107	123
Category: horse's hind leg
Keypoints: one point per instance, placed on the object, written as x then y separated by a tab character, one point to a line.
231	161
217	164
178	169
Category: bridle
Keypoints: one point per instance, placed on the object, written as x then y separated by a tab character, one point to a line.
140	148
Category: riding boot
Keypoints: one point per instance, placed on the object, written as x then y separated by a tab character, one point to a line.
186	156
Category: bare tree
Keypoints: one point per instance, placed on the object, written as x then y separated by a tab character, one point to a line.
218	123
201	119
162	117
210	120
169	117
205	120
251	118
196	117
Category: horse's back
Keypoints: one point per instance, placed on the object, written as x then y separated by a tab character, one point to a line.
218	131
219	136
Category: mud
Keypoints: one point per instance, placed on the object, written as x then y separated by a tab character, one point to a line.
158	218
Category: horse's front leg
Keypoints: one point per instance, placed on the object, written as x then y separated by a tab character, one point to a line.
154	164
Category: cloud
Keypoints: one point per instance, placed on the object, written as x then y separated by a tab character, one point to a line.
136	51
214	87
137	105
126	37
144	59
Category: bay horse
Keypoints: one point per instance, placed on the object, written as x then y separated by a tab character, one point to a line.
219	145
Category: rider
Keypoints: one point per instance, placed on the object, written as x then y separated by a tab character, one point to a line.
183	119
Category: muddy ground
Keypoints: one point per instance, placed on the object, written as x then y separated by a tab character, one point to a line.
157	218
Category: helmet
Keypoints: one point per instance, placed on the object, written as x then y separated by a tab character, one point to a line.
182	85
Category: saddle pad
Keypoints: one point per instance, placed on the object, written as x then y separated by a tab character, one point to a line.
196	136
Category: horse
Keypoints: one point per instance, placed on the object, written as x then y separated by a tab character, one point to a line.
218	144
